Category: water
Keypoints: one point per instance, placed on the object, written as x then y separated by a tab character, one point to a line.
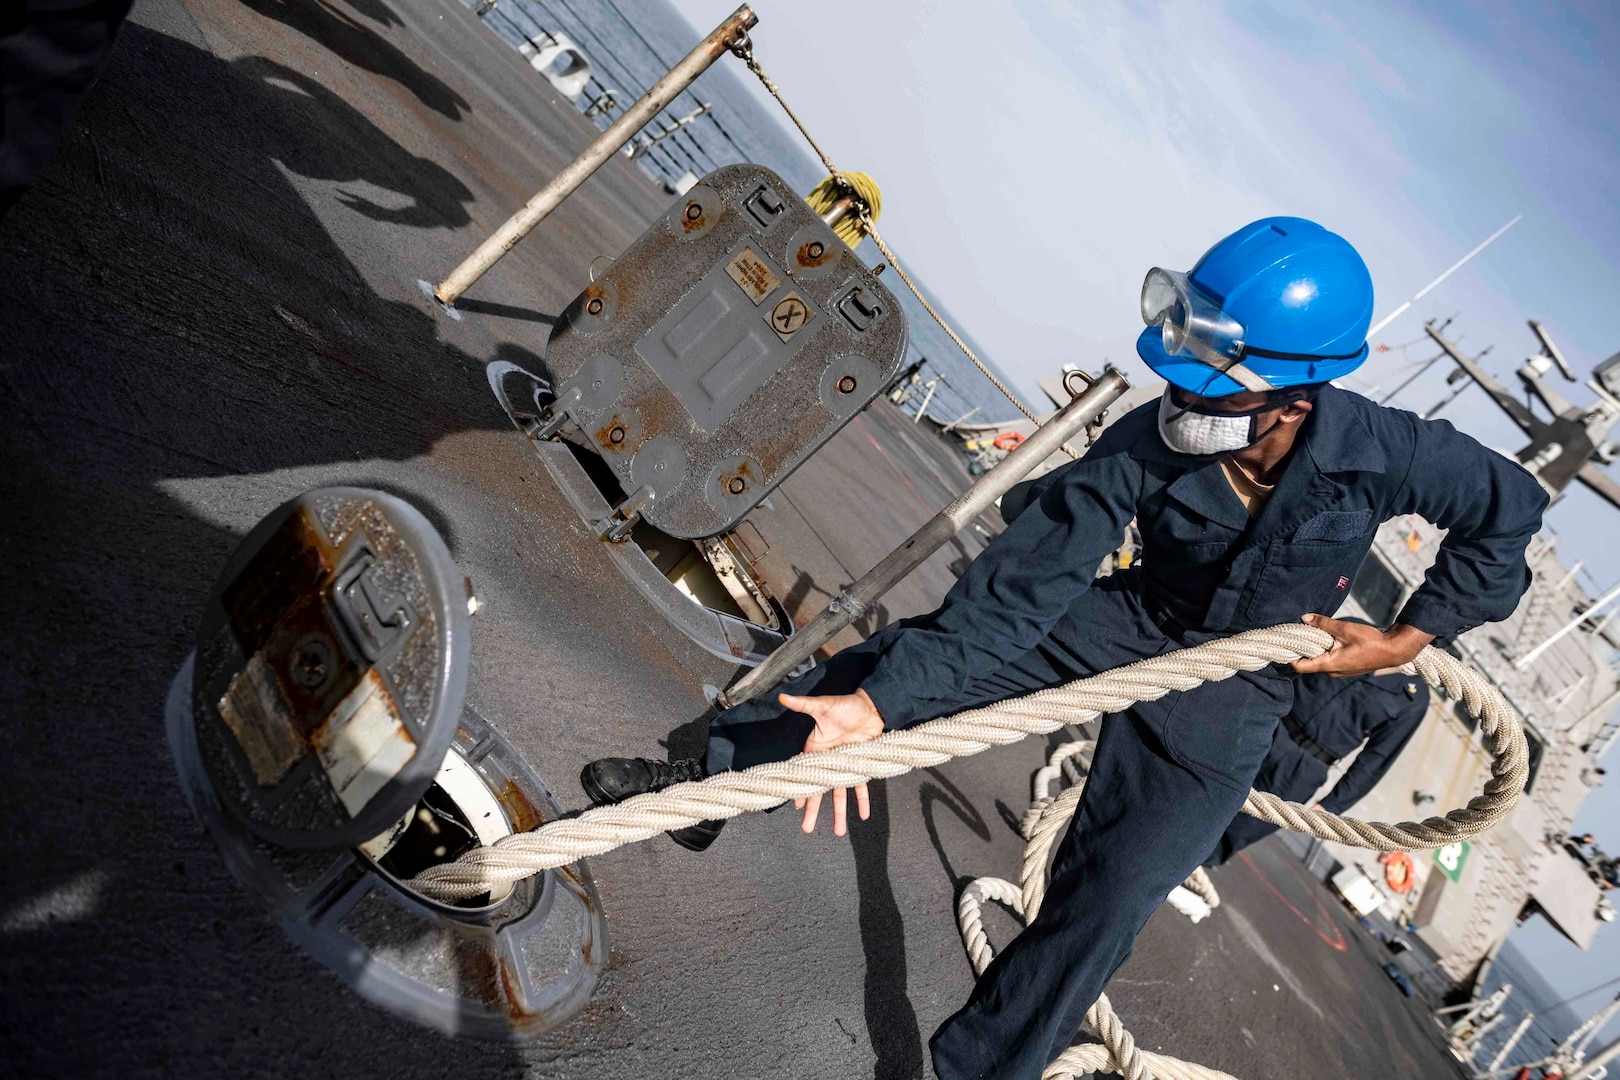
1531	991
631	43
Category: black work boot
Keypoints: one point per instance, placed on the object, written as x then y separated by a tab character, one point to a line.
614	779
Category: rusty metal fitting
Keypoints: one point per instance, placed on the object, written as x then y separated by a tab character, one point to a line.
594	306
616	434
736	485
694	211
846	385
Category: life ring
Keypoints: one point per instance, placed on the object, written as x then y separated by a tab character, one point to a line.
1398	871
1008	440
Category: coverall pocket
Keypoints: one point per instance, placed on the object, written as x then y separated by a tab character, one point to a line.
1222	730
1302	577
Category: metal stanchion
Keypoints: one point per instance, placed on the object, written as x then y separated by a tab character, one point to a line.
606	145
852	602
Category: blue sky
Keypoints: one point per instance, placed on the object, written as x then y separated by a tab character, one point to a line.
1037	156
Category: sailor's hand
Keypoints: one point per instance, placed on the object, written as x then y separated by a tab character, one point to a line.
840	719
1358	649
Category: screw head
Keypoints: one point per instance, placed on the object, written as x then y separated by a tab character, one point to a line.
616	434
595	305
815	249
846	385
693	211
736	485
311	663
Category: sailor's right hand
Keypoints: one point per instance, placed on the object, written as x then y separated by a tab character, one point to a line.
840	719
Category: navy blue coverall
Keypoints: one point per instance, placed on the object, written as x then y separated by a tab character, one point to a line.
1168	776
1329	719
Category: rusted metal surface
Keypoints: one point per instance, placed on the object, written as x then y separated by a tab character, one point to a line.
506	970
678	319
321	694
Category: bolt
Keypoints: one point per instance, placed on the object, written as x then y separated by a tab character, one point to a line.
310	664
736	485
877	271
815	249
595	306
693	211
846	385
616	435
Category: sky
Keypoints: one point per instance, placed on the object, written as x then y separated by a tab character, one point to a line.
1038	156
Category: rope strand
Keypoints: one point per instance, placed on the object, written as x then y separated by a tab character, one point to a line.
728	794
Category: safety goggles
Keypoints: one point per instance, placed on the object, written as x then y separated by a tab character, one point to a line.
1191	320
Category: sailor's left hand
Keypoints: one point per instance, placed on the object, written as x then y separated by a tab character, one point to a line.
840	719
1358	649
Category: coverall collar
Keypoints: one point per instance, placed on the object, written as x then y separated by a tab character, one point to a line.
1335	439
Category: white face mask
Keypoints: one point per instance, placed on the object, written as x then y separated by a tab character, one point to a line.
1188	432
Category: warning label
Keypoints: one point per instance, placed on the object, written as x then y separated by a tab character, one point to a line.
789	316
751	274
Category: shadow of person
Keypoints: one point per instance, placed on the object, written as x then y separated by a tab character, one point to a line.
190	348
891	1022
352	149
364	47
944	793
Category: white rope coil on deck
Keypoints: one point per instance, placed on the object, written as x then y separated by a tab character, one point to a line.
728	794
731	793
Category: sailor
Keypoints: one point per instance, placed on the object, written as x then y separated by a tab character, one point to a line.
1257	488
1330	718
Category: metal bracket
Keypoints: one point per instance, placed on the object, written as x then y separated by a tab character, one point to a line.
616	528
548	423
849	602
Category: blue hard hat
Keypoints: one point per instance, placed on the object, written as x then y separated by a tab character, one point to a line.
1297	297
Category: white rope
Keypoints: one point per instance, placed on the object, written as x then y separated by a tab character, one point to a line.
1048	818
730	793
727	794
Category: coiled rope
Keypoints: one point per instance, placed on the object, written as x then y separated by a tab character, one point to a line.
728	794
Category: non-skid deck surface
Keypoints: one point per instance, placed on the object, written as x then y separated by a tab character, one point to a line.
211	304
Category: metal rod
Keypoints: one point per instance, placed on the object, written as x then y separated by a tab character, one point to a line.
1529	658
1593	1067
853	601
926	399
1458	265
1513	1040
1387	398
952	425
576	172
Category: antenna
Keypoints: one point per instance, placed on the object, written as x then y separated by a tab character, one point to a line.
1458	265
1550	351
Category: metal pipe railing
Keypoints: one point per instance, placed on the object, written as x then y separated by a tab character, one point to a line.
576	172
853	601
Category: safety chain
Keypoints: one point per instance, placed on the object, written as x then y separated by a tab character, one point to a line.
744	48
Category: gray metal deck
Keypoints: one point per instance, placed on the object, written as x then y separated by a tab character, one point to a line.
211	304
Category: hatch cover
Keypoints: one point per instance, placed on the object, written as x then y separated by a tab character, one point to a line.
722	348
332	662
498	967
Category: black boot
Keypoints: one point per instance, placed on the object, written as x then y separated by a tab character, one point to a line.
612	780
